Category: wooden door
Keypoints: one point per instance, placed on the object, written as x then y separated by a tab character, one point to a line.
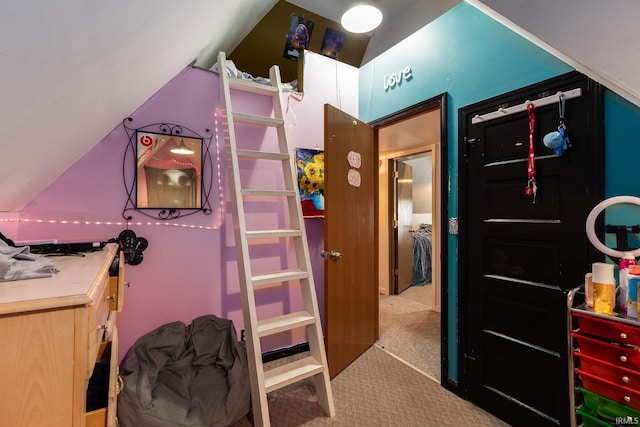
518	258
403	225
351	285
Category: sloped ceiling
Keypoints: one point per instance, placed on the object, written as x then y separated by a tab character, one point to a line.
599	39
71	70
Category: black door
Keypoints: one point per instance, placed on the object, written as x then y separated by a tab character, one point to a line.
517	257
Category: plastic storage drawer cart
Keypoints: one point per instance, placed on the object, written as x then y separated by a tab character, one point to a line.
604	371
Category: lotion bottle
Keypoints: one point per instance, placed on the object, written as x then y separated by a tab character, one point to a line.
604	284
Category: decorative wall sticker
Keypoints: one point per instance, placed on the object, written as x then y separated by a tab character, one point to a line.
355	161
131	245
354	178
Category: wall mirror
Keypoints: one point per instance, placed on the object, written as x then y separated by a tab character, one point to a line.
168	171
172	171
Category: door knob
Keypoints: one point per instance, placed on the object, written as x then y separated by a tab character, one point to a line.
334	255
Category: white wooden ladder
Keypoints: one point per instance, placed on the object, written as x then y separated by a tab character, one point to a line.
315	365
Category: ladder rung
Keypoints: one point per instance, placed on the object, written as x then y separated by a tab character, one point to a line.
251	154
251	86
284	323
279	276
270	234
269	193
257	120
290	373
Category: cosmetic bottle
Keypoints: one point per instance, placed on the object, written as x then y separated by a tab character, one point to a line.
633	282
588	289
623	287
604	284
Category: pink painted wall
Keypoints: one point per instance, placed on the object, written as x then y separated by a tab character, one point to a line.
189	268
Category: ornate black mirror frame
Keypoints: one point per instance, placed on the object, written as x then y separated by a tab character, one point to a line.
130	182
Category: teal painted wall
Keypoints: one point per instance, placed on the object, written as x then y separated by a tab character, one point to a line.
472	57
622	162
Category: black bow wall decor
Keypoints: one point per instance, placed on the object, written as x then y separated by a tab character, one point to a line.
132	246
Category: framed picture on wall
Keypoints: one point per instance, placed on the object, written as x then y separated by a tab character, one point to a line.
310	165
298	38
332	43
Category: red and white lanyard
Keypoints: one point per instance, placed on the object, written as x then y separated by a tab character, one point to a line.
532	187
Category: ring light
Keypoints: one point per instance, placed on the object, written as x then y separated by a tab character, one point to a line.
591	221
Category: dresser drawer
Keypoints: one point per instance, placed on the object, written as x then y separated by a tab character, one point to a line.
106	416
116	284
608	371
599	406
615	392
608	329
98	315
612	353
588	420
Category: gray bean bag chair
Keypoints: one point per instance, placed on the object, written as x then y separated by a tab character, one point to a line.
180	375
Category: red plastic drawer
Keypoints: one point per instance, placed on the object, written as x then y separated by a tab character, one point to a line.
616	354
608	371
608	329
613	391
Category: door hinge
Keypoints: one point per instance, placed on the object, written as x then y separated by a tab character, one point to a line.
395	174
395	223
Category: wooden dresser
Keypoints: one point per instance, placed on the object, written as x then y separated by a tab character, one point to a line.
53	331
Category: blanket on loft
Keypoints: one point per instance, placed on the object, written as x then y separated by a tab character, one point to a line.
178	375
422	255
233	71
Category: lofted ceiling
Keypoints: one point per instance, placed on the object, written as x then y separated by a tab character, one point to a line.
72	70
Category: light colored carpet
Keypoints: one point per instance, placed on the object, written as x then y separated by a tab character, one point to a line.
393	384
377	389
421	294
410	331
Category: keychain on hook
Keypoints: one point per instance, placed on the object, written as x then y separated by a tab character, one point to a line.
532	186
558	140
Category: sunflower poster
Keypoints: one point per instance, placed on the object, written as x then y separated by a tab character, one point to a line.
310	165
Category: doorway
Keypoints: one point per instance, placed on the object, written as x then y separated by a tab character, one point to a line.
415	136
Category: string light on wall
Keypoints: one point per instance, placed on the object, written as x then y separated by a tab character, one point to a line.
118	223
217	225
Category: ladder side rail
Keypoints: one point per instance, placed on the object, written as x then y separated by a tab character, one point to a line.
258	397
314	332
295	204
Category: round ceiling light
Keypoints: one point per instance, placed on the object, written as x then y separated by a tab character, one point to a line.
361	19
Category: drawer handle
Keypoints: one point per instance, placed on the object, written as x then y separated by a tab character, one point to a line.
623	335
627	399
623	358
110	298
625	379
